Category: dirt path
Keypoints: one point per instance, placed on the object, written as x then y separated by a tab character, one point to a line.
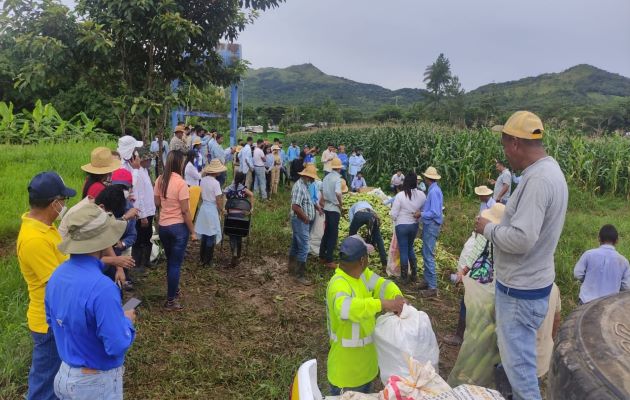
243	332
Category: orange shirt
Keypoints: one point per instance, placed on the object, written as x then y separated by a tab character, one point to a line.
170	209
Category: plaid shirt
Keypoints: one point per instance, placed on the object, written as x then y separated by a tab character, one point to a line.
301	197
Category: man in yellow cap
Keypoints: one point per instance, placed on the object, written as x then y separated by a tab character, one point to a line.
177	141
524	245
354	296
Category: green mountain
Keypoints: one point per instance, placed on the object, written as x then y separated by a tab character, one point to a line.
582	85
306	84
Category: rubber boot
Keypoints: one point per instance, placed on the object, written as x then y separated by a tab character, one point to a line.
414	272
301	274
209	256
404	276
292	265
146	255
136	254
203	255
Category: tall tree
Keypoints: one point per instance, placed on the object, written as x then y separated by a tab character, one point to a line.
437	77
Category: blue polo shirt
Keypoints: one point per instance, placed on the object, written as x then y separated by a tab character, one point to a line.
84	310
432	210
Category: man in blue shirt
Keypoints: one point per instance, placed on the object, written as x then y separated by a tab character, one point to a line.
293	152
431	222
84	310
362	214
602	271
343	156
485	197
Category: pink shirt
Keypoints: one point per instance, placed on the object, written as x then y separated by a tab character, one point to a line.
170	209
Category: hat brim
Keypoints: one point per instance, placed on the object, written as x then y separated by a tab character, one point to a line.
485	193
431	176
89	168
214	170
127	184
68	192
109	237
308	174
487	214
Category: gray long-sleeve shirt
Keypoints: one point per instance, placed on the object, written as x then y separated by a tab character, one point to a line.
525	241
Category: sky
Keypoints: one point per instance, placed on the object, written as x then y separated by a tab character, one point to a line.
390	43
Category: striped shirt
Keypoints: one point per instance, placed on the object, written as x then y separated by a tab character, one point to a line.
301	197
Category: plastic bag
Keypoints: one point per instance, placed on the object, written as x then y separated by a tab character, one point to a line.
420	382
399	337
479	352
393	257
468	392
317	232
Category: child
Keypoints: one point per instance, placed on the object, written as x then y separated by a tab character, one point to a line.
602	271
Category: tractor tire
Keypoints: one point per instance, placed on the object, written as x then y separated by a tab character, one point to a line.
591	358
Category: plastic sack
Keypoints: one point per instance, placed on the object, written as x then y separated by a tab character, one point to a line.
317	232
479	352
420	382
399	337
393	257
468	392
357	396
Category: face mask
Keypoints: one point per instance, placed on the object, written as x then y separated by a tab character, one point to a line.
126	193
61	212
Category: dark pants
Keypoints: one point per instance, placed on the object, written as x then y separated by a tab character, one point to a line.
144	233
406	235
336	391
268	183
222	177
369	219
236	244
44	366
174	239
331	234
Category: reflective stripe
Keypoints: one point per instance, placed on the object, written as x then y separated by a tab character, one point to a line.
345	308
373	281
357	343
341	294
381	294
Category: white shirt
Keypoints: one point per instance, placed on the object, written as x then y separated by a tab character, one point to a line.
143	189
397	180
404	208
327	157
210	189
245	158
259	157
191	175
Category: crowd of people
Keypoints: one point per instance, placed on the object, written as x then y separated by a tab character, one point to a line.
76	273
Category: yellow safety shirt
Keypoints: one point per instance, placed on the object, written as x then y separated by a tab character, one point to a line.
351	307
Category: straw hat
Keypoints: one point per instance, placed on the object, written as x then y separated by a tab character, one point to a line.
101	162
275	147
432	173
494	214
336	163
214	167
344	186
197	141
238	149
483	190
91	229
179	128
310	170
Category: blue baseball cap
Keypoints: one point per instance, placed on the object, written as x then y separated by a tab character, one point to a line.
353	248
48	185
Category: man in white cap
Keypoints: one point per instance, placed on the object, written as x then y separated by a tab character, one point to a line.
84	310
524	245
432	219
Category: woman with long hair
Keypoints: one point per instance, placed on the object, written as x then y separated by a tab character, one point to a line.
99	171
191	173
175	222
238	190
407	205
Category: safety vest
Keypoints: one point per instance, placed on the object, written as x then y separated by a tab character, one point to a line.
351	308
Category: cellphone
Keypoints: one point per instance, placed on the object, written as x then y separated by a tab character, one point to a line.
132	304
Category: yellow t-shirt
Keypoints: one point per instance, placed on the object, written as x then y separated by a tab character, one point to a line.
38	257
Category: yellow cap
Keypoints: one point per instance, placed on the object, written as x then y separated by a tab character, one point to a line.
522	124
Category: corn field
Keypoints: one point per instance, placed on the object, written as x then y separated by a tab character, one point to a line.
466	158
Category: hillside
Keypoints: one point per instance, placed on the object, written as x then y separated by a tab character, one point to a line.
581	85
306	84
577	86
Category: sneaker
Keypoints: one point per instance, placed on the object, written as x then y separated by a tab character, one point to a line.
422	284
426	293
452	340
173	305
304	280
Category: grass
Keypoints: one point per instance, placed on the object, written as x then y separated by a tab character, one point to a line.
244	332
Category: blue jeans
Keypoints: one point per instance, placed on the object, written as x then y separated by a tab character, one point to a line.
330	237
74	384
430	233
174	239
336	391
260	184
368	218
406	235
517	323
299	242
44	365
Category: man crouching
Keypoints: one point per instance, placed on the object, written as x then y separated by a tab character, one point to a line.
354	296
84	310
